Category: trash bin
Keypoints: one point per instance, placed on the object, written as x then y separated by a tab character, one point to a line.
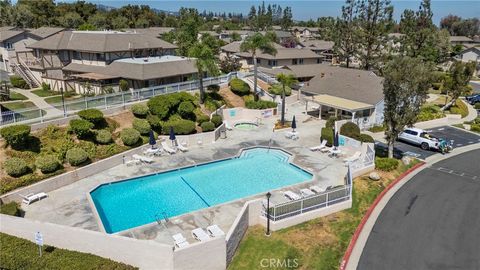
223	134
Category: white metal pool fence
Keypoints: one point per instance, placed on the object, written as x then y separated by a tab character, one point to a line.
310	203
40	115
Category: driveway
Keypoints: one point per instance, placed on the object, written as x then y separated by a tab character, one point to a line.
432	222
460	138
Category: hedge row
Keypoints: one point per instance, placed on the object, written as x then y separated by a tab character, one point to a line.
386	164
166	105
260	104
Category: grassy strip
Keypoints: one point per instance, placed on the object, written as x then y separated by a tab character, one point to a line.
18	253
18	105
44	93
17	96
316	244
58	99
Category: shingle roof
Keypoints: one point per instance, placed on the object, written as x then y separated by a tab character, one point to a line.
318	44
44	32
8	34
154	31
101	41
353	84
284	53
138	69
234	47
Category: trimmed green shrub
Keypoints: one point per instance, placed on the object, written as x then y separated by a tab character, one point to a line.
475	128
327	134
142	126
18	82
47	163
15	166
217	120
82	128
185	110
213	87
165	105
129	136
365	138
350	129
239	87
94	116
386	164
477	106
180	127
260	104
89	147
76	156
155	123
207	126
103	137
331	122
11	209
277	89
16	135
139	110
202	118
429	112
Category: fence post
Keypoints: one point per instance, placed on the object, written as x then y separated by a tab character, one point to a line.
153	92
14	117
327	197
105	99
301	206
123	100
41	115
86	102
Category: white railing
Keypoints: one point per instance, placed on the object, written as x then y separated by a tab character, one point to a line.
39	115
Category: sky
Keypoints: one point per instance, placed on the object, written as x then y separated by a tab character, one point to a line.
305	9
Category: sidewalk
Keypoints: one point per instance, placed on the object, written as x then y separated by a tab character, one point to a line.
39	102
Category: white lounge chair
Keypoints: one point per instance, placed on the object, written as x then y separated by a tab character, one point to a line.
200	234
353	158
291	195
319	147
29	198
179	240
306	192
227	126
326	149
291	135
152	151
143	158
182	148
168	149
317	189
215	231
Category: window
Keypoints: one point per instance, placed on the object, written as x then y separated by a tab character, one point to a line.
294	61
319	61
259	61
75	55
272	63
8	45
300	61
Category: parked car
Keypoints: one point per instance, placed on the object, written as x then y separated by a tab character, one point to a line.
419	137
472	99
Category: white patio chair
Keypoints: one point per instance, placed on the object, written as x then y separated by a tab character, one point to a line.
179	240
200	234
215	231
319	147
30	198
168	149
291	195
306	192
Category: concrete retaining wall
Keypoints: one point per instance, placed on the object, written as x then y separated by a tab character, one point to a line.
236	232
145	254
199	138
205	255
236	114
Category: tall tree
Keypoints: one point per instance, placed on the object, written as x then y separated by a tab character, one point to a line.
287	20
405	86
346	35
375	21
254	44
458	80
286	81
205	63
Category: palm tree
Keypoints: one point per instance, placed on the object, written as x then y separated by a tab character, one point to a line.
251	45
205	62
285	80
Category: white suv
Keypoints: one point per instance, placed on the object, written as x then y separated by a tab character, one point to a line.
419	137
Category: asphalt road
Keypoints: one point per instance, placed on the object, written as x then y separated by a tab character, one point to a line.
432	222
460	138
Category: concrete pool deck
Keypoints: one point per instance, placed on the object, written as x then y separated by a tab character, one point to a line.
70	206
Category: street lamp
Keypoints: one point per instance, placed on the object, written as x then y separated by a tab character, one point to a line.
63	103
268	213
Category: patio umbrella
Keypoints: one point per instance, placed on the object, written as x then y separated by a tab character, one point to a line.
152	140
294	124
335	139
172	135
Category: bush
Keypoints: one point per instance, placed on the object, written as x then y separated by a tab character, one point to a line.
260	104
213	88
217	120
47	163
202	118
11	209
103	137
123	85
386	164
180	127
82	128
94	116
277	89
18	82
139	110
186	110
331	122
239	87
365	138
45	86
129	136
459	108
142	126
475	128
429	112
477	106
207	126
165	105
76	156
327	134
155	123
15	167
350	129
16	136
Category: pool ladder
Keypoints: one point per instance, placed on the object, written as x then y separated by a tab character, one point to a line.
159	220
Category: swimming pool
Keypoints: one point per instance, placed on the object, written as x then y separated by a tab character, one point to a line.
138	201
245	126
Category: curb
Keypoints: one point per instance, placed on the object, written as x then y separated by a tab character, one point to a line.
359	229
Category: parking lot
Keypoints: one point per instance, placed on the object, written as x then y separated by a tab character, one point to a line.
460	138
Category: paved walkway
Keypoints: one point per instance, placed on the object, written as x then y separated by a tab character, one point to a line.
39	102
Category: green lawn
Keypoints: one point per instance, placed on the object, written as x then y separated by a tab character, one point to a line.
18	253
44	93
18	105
58	99
316	244
17	96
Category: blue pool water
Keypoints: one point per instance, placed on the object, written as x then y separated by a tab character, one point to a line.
138	201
